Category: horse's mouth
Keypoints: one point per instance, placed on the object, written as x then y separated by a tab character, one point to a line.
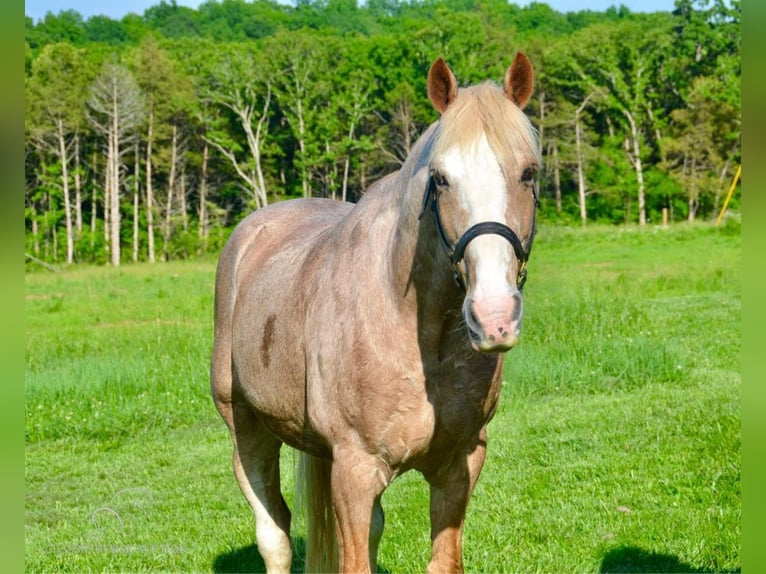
491	344
498	340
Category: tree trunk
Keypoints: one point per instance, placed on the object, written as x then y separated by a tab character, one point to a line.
171	190
149	191
637	166
581	187
330	173
557	178
62	152
35	234
108	200
55	243
541	130
693	191
93	204
136	191
302	147
405	116
203	228
182	198
256	182
77	186
347	165
115	184
580	171
723	179
255	150
721	184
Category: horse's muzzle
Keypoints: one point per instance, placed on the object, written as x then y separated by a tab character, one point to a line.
493	323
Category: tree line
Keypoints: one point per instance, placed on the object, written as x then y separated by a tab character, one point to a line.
148	138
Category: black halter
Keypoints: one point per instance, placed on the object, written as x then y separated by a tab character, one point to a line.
457	251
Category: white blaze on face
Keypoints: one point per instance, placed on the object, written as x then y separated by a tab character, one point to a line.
482	193
493	306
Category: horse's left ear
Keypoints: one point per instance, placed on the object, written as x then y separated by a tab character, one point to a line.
519	80
442	85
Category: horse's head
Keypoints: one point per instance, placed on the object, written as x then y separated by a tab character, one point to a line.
481	190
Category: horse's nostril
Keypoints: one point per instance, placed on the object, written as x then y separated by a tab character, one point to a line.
517	307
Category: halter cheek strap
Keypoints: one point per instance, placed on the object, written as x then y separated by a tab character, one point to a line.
457	251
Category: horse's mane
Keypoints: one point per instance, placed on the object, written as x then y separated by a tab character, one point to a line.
484	108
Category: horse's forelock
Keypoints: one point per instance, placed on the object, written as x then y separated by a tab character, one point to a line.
484	109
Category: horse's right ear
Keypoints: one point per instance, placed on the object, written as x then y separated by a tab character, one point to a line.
442	85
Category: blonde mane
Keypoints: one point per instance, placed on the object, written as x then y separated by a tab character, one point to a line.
484	108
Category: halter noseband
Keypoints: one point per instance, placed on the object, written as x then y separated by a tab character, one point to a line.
457	251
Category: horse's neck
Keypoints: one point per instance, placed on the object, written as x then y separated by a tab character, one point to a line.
421	269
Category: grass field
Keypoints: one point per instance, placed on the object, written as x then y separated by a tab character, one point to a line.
616	447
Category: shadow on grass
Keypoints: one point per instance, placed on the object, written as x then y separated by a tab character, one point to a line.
245	559
248	559
632	559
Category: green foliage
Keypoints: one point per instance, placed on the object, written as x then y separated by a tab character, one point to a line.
340	87
616	446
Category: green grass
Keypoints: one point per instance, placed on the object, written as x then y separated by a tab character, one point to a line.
616	447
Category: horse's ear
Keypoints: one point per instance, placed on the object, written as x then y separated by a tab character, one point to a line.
442	85
519	80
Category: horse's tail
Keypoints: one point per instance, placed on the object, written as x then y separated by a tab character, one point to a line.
313	491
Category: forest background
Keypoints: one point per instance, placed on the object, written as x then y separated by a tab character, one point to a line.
148	138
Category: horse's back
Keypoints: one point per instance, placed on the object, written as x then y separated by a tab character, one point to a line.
271	233
273	227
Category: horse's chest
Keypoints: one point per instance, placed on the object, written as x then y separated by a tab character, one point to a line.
465	397
446	413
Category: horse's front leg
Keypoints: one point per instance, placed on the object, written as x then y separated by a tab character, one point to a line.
451	487
358	480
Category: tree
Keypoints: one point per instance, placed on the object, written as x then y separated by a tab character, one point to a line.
57	107
699	148
117	106
317	98
564	101
166	92
705	73
622	62
355	103
299	64
399	107
230	20
239	82
65	27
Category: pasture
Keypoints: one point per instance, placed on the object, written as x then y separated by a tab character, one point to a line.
616	447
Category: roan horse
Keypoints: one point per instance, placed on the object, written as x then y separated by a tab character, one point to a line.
370	336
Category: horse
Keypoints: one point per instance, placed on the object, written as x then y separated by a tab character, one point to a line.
371	336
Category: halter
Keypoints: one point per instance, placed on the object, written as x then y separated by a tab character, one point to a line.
456	252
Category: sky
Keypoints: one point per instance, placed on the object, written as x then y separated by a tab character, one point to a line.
116	9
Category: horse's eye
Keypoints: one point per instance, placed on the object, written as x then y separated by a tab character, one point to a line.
528	175
439	179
